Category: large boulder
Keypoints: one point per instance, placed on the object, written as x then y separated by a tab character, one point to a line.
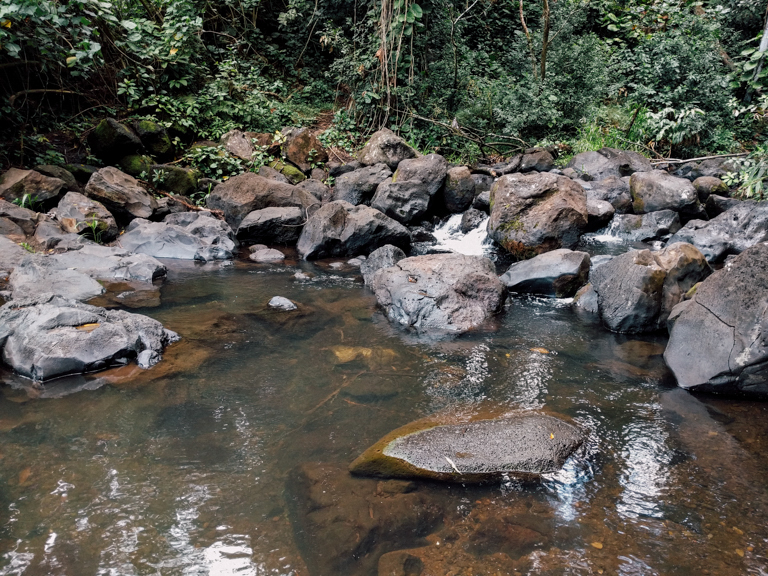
24	218
524	446
386	147
303	148
658	190
155	139
537	212
600	213
47	337
241	195
30	186
407	197
637	290
184	236
439	292
429	171
732	232
272	226
341	229
110	141
718	341
537	159
121	194
459	190
238	144
716	205
651	226
175	179
52	171
613	190
383	257
557	273
78	214
707	185
358	186
609	162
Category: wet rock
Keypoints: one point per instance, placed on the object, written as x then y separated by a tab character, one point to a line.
110	141
344	524
341	229
266	255
430	171
600	213
637	290
586	300
272	226
523	446
24	218
400	563
483	183
402	201
609	162
280	303
731	232
613	190
63	174
471	219
386	147
241	195
706	185
483	202
439	292
537	212
46	337
78	214
359	186
15	184
658	190
651	226
459	190
185	236
539	160
121	194
558	273
716	205
155	139
301	147
717	342
175	179
238	144
42	275
136	165
383	257
314	187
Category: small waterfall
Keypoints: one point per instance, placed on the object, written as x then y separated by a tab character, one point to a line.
450	237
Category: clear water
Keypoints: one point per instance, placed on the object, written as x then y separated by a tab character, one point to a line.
186	469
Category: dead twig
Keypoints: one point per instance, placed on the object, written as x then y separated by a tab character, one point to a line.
701	158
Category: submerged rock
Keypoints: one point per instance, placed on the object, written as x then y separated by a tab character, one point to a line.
718	340
439	292
537	212
557	273
340	229
266	255
524	446
47	337
386	147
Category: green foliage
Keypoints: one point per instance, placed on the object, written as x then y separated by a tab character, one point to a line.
28	201
751	176
214	162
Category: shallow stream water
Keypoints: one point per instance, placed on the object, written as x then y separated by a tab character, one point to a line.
188	468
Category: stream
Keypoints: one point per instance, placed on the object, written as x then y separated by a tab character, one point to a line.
185	469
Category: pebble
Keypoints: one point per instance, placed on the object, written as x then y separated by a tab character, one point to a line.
267	255
280	303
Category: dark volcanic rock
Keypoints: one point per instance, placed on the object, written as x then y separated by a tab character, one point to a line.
241	195
716	205
557	273
600	213
15	184
613	190
272	226
609	162
731	232
383	257
651	226
43	338
302	148
471	219
536	212
719	339
403	201
24	218
540	161
525	446
429	171
155	139
439	292
706	185
314	187
386	147
341	229
79	214
359	186
658	190
637	290
459	190
483	201
110	140
238	144
121	194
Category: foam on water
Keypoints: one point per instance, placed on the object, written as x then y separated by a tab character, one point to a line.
473	243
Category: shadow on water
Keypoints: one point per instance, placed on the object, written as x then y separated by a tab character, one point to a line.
231	455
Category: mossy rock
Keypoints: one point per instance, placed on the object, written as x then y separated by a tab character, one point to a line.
60	173
81	172
155	139
289	171
182	181
135	164
110	141
183	133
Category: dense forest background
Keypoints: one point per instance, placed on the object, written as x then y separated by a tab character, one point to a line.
467	78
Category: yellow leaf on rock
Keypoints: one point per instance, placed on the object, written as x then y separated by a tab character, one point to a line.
88	327
740	552
174	50
6	24
540	350
598	545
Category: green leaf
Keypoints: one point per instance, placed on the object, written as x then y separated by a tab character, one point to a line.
416	10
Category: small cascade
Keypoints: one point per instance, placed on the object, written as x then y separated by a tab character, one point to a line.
450	237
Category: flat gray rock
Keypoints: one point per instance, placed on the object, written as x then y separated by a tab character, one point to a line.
557	273
524	446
